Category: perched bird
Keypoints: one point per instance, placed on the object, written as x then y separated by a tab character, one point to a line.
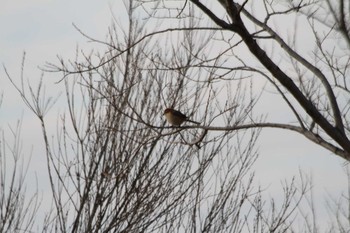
176	118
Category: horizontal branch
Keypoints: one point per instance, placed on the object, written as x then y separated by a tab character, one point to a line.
308	134
237	26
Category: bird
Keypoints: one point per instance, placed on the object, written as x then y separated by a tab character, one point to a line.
176	118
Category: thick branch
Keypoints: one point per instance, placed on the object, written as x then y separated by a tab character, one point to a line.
237	26
317	72
212	16
288	83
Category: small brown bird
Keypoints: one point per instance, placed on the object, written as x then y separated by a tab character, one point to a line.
176	118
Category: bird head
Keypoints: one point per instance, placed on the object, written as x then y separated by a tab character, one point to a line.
168	110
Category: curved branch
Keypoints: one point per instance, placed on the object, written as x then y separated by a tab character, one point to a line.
335	132
54	68
308	134
317	72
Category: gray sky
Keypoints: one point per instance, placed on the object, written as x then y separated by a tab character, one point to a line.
43	28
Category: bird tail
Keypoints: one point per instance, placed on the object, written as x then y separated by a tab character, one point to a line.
194	122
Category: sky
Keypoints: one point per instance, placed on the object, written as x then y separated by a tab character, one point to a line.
44	29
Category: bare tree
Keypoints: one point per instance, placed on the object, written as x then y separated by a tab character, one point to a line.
18	208
315	85
316	92
339	209
115	165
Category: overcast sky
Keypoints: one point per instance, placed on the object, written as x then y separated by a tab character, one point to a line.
43	28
